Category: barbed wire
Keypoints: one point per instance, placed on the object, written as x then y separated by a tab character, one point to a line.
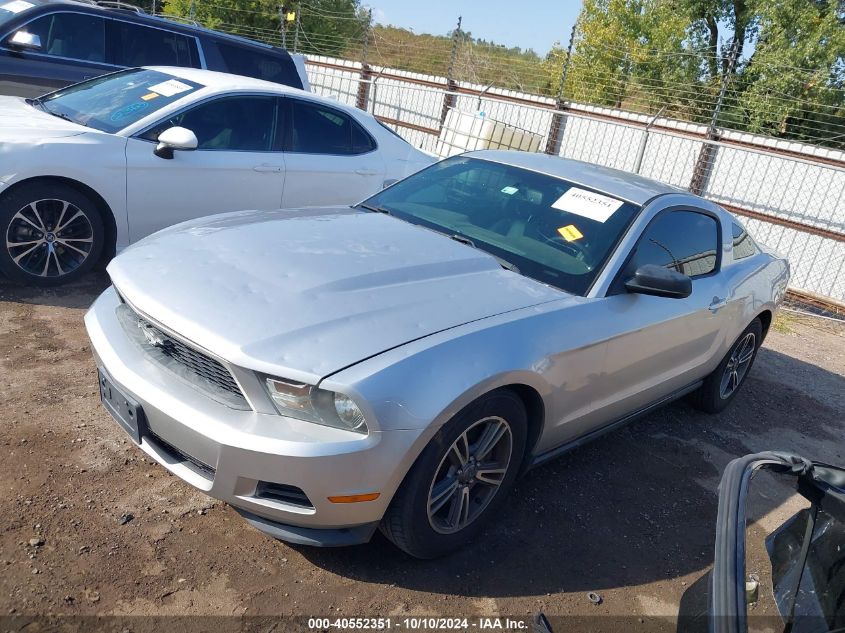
643	79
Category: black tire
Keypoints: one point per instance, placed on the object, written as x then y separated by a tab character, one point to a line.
711	396
407	522
48	257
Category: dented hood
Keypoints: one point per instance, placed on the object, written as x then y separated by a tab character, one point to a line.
306	293
20	121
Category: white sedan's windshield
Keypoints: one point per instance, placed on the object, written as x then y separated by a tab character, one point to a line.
544	227
113	102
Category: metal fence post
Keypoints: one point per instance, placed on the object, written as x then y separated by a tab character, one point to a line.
707	155
363	95
449	98
296	29
282	26
556	127
638	162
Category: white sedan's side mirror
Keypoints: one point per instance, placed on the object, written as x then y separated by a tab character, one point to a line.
26	40
175	138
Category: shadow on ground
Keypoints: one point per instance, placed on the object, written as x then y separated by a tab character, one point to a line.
79	294
635	507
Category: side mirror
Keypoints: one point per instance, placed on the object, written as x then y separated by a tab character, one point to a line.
658	281
175	138
25	40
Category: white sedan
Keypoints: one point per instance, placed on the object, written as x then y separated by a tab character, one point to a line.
89	169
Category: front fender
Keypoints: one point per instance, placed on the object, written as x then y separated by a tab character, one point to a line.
97	161
424	383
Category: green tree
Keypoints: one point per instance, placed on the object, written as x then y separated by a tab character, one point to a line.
789	79
327	27
635	54
794	83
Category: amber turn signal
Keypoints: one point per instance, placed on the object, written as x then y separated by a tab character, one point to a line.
370	496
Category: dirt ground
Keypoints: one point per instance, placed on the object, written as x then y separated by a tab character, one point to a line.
630	516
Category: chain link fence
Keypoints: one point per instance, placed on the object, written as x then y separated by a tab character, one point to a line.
778	162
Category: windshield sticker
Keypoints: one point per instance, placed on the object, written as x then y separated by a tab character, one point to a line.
17	6
587	204
510	190
570	233
150	96
170	87
128	110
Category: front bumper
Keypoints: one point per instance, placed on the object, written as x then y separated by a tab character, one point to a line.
231	454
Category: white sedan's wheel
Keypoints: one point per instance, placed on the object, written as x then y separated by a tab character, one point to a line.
51	233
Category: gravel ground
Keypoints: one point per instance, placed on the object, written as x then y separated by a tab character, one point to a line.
91	527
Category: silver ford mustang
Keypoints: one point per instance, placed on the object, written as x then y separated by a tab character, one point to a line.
328	371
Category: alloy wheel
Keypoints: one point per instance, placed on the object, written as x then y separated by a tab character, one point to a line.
469	475
738	364
49	238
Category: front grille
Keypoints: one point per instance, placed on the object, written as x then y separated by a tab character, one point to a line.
192	365
195	361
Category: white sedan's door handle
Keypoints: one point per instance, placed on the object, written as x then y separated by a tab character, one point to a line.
717	304
267	167
366	172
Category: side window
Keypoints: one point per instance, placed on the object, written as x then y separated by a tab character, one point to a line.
685	241
743	245
136	45
244	124
71	35
317	129
242	60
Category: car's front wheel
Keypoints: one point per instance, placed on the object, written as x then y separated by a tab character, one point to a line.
460	478
721	386
52	234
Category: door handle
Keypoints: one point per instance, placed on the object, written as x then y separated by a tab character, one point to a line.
266	167
366	172
717	304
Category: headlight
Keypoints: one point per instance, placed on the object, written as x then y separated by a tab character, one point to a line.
305	402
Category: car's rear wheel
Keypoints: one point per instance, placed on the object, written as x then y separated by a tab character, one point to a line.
52	234
721	386
464	473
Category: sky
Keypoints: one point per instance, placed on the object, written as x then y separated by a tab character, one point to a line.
536	24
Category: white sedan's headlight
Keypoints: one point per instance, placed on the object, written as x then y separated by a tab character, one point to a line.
305	402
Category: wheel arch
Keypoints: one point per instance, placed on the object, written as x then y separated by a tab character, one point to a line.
535	410
531	399
103	208
765	317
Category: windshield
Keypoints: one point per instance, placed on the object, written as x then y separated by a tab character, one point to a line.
112	102
544	227
10	9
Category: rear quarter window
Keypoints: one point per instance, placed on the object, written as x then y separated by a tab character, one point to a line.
743	245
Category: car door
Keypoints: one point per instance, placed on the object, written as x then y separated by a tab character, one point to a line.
64	48
236	165
329	158
660	345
